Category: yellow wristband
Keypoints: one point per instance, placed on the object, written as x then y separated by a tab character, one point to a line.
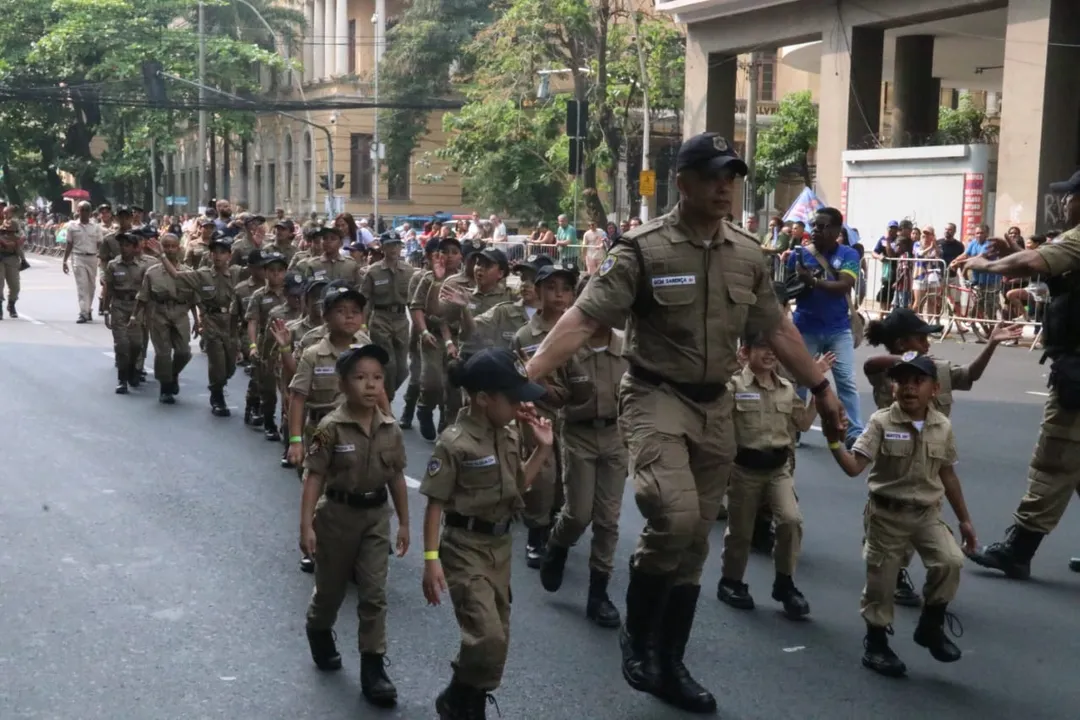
834	446
431	554
252	346
286	348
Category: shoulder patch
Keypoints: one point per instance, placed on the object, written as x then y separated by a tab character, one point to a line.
909	356
434	466
605	267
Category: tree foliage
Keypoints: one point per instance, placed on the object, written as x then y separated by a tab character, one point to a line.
783	148
966	124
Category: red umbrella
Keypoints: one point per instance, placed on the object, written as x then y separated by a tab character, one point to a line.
77	195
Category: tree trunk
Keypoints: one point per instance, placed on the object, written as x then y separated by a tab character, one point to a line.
245	148
77	142
226	167
10	187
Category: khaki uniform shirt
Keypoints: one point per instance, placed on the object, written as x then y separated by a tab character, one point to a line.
338	268
568	385
123	280
907	462
289	251
496	327
476	470
110	246
479	303
316	377
426	298
242	247
387	291
703	294
299	257
766	414
262	302
950	377
85	239
1062	255
605	368
216	294
196	253
163	295
350	460
298	328
244	289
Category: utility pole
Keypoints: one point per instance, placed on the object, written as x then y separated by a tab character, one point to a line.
380	32
153	174
646	120
749	186
202	104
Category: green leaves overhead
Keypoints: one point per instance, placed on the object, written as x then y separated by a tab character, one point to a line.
783	147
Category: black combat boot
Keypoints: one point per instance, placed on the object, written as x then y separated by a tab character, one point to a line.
763	538
135	379
734	593
165	396
307	565
930	633
218	407
878	656
1013	555
1074	564
176	385
536	546
121	382
270	431
784	591
905	593
374	682
676	685
457	701
11	311
425	417
323	649
412	395
551	567
644	601
599	607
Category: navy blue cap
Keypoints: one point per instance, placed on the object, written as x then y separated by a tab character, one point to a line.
497	370
451	240
131	237
122	210
904	321
533	262
709	151
470	247
269	258
389	237
548	271
340	290
1067	187
294	283
323	231
348	359
913	361
432	245
219	241
315	284
255	258
145	231
496	256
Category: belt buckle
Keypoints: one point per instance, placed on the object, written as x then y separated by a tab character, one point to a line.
501	528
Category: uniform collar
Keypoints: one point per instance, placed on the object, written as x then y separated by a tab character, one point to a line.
477	428
325	347
537	323
896	415
750	378
342	413
686	234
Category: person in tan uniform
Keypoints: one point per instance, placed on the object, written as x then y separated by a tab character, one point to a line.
330	265
435	335
161	309
911	451
312	245
903	331
109	247
245	288
473	484
84	241
1054	473
497	326
464	282
123	278
10	260
196	254
594	464
490	270
284	234
251	229
687	285
412	390
767	415
279	318
355	462
387	283
263	357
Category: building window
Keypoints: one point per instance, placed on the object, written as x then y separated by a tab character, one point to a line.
398	186
767	76
288	167
360	165
271	186
352	47
309	170
257	200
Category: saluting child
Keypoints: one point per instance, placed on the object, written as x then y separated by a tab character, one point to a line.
910	450
474	485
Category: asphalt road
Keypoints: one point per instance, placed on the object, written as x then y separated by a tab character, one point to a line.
148	570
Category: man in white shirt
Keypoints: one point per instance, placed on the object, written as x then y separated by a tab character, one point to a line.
498	232
83	241
474	226
366	236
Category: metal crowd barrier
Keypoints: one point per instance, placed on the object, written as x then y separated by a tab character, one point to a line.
43	241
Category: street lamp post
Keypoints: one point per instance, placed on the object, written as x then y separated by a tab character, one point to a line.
542	93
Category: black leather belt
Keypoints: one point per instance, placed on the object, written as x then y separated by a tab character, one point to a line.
373	499
476	525
758	459
87	254
698	392
123	295
597	423
895	505
391	308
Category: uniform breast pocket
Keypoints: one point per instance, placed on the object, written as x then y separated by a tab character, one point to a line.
938	454
897	449
391	461
476	473
740	299
674	290
748	412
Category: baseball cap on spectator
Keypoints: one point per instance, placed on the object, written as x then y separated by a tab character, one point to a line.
1067	187
711	152
497	257
294	284
894	224
206	222
914	362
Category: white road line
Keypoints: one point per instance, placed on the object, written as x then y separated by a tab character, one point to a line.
816	427
24	316
1040	394
412	482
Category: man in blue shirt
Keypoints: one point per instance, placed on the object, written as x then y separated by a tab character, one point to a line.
981	245
822	313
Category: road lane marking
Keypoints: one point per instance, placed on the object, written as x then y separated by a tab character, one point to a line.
24	316
1040	394
412	482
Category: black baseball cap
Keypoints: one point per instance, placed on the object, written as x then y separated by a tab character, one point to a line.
145	231
206	222
128	238
314	285
389	237
432	245
284	223
443	242
340	290
709	151
104	206
914	362
550	271
533	262
347	360
1067	187
904	321
294	284
497	370
255	258
122	210
269	258
219	241
496	257
470	247
323	231
254	219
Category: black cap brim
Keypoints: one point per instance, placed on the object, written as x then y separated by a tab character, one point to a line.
906	367
314	285
348	359
219	244
568	274
295	290
526	392
274	261
726	162
1066	187
349	294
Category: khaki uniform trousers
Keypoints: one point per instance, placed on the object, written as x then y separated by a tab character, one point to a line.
220	347
746	492
594	477
432	374
264	374
889	531
9	275
414	357
170	332
127	341
1054	472
390	331
477	570
85	269
681	455
351	541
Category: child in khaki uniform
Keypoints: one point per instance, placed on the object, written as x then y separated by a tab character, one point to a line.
474	485
911	451
767	415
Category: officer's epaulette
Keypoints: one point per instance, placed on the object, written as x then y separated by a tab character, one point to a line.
450	434
731	230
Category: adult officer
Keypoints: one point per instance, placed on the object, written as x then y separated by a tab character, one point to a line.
687	285
1054	473
83	240
249	239
386	284
9	265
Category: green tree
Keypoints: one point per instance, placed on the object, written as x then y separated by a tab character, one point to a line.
964	125
783	148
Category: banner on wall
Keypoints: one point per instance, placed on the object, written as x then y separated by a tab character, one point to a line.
974	202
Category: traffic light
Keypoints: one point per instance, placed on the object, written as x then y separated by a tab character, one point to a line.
322	182
577	126
154	82
339	181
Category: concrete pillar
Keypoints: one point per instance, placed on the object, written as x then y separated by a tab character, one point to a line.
1039	141
341	36
309	40
318	40
709	90
916	93
849	113
330	33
